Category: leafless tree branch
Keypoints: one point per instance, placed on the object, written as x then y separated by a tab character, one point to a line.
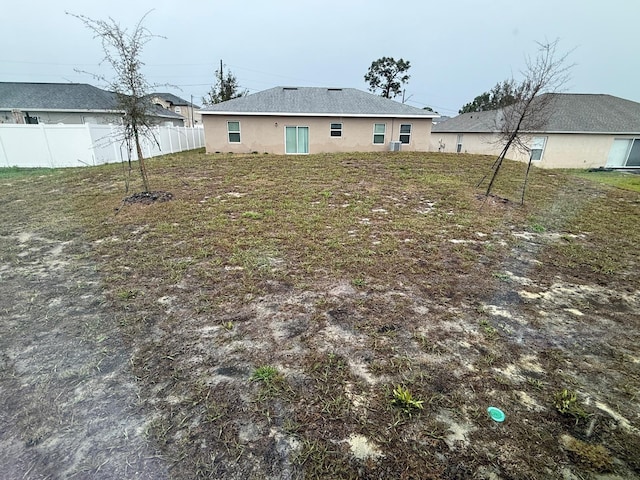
123	53
547	73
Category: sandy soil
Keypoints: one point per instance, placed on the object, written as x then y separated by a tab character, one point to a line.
69	402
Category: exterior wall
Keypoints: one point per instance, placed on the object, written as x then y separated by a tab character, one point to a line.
68	118
478	143
577	150
267	133
562	150
79	118
187	111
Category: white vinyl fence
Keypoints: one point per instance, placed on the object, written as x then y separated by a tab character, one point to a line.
45	145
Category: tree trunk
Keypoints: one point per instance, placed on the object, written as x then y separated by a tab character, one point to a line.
143	170
498	164
526	179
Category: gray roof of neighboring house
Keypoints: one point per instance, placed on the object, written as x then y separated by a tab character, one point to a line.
571	112
312	101
63	97
174	99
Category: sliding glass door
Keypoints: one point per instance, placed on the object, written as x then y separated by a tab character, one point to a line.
296	140
625	152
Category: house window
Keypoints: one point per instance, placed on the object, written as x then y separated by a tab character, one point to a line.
379	129
296	140
459	143
29	120
537	147
336	129
234	132
625	152
405	133
178	110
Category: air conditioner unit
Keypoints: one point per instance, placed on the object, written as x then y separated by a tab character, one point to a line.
394	146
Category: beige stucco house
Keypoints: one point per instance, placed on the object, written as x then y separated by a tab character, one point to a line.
304	120
583	131
67	103
190	111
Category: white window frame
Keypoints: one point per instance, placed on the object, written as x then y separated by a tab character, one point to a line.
297	152
622	160
459	143
384	133
336	130
178	110
401	134
535	148
229	131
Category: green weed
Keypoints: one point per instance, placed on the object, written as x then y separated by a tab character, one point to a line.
403	399
265	373
253	215
566	403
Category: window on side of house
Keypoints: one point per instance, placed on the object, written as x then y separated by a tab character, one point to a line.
234	132
336	129
178	110
379	130
537	148
459	143
29	120
405	133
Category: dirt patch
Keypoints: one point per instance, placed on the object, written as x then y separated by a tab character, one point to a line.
147	198
70	403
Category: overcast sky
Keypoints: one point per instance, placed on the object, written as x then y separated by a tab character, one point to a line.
457	48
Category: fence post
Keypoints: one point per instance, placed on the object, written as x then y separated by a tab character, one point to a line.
112	138
4	151
46	142
92	147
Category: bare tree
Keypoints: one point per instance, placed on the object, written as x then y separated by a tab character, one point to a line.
122	51
547	73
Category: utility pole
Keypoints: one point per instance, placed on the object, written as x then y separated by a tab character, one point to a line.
192	124
221	76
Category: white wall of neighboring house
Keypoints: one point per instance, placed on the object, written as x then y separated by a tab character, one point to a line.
561	150
71	118
56	146
76	118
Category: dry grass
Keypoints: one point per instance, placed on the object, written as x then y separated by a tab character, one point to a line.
350	275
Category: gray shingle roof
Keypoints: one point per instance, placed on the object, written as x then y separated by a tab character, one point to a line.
174	99
571	112
55	96
317	101
63	96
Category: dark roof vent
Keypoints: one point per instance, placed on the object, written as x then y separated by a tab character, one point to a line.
289	88
334	89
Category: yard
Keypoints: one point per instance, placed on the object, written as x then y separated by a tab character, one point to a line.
324	316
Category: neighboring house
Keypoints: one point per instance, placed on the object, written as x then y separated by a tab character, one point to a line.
190	111
302	120
583	131
67	103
